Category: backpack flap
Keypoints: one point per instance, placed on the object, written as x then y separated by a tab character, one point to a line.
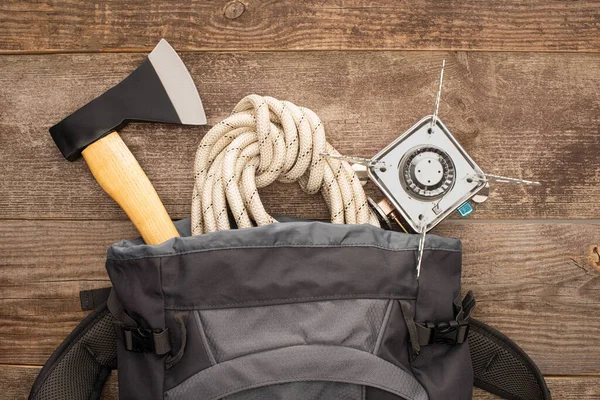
298	310
250	293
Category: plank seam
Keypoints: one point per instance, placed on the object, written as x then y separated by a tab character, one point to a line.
237	51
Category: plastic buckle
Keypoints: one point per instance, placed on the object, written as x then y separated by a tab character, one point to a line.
138	339
452	332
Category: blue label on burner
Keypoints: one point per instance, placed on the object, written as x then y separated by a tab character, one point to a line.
465	209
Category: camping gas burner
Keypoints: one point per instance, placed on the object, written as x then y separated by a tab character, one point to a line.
428	172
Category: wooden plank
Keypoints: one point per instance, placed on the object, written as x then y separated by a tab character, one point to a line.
16	382
526	115
57	251
531	25
581	387
538	283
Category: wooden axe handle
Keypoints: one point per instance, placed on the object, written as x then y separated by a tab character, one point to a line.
120	175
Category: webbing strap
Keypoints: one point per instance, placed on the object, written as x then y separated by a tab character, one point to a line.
116	309
135	337
94	298
450	332
446	332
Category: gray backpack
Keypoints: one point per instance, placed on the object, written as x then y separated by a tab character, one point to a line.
296	310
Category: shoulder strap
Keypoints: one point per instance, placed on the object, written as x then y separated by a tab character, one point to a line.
501	367
80	366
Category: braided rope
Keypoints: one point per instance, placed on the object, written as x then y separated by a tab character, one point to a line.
265	140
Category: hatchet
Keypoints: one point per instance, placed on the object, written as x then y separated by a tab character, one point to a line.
159	90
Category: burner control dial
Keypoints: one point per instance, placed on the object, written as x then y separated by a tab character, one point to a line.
427	172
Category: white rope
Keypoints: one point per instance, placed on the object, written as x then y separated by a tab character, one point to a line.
265	140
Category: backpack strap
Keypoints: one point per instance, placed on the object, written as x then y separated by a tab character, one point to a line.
80	366
503	368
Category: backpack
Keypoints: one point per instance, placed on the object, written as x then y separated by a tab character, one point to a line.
294	310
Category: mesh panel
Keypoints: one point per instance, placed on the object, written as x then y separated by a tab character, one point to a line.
495	365
329	365
75	373
304	391
240	331
233	333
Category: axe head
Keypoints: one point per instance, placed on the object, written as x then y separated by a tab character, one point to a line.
159	90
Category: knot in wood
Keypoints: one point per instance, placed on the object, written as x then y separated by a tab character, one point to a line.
234	9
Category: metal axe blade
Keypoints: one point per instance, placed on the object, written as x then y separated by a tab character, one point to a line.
178	84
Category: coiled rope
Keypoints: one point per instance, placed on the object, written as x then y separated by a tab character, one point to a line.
265	140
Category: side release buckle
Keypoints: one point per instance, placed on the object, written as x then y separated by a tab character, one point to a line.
451	332
140	340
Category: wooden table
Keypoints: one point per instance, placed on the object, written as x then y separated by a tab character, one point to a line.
521	93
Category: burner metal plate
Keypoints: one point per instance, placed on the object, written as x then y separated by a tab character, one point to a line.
426	175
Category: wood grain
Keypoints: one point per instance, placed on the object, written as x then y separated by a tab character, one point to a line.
538	283
125	25
520	94
534	116
117	172
16	382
